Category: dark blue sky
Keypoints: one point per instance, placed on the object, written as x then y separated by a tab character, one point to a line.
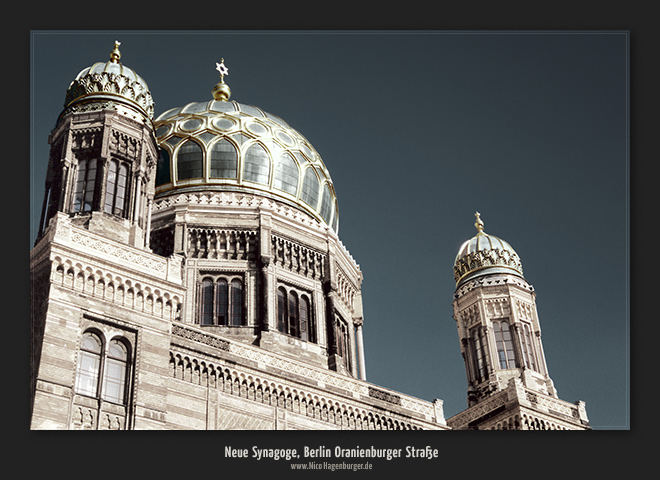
419	130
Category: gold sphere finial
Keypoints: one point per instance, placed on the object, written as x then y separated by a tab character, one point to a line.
115	55
479	223
221	90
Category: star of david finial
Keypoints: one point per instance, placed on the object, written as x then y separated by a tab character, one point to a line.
220	67
115	55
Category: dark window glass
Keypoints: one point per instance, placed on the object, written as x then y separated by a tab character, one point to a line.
223	160
115	188
306	328
293	314
207	301
281	310
504	344
528	348
256	165
189	161
163	168
84	194
236	302
222	300
478	352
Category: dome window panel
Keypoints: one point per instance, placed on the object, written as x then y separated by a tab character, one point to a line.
191	125
335	221
286	175
189	161
310	188
250	110
256	164
223	159
206	137
219	106
170	113
163	130
286	139
326	204
257	128
223	123
163	168
174	140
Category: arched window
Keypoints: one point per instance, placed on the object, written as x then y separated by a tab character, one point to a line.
294	328
89	365
281	310
294	314
84	195
504	342
114	372
256	164
310	188
236	302
223	160
326	204
478	352
307	332
222	301
528	347
343	342
286	174
189	161
163	168
112	363
207	301
115	188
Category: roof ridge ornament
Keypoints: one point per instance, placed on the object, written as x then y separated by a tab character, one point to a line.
479	224
115	55
221	90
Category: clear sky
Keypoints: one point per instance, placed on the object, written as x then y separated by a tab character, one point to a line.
418	130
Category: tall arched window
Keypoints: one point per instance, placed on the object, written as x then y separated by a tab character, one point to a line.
294	328
115	188
85	182
281	310
223	160
207	301
222	301
528	347
326	204
236	302
89	365
256	164
307	332
478	352
294	314
189	161
343	342
310	188
95	361
504	342
163	168
286	174
114	372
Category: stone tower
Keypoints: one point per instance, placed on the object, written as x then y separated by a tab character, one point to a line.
509	386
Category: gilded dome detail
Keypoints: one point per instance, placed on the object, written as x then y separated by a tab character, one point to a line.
220	145
111	81
485	254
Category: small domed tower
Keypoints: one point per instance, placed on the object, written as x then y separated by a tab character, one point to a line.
103	153
500	341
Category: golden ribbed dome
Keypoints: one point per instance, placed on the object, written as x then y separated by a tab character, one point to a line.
485	254
223	145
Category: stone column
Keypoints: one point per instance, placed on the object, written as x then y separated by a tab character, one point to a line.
360	348
147	233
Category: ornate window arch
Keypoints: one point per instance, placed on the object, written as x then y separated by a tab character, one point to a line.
103	368
221	300
294	313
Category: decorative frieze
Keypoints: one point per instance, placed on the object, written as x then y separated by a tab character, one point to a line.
205	242
297	258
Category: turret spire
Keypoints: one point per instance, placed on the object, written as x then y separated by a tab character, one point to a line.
479	224
115	55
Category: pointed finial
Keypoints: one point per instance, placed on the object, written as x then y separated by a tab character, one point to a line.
221	90
115	55
479	223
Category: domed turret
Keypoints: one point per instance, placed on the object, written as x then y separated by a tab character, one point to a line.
222	145
485	254
110	81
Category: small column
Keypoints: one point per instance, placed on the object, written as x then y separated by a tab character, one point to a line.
360	348
148	230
